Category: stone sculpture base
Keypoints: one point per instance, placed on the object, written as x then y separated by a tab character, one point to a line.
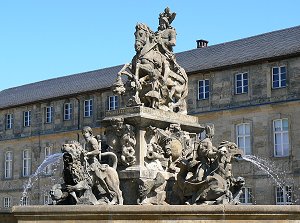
141	118
171	213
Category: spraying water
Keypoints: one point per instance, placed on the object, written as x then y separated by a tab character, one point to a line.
52	159
265	165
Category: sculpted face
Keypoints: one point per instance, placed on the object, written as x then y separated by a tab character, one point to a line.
70	150
86	135
162	25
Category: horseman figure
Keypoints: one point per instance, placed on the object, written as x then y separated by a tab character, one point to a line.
154	77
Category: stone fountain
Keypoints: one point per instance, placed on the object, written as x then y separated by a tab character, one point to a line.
152	142
151	159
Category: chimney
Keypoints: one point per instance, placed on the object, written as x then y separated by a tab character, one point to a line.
201	43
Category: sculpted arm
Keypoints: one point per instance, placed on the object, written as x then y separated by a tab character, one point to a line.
123	71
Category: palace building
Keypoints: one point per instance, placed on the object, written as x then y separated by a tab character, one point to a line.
248	89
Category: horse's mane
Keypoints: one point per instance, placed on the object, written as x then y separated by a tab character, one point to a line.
143	27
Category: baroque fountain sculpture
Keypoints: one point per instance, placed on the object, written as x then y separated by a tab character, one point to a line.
153	146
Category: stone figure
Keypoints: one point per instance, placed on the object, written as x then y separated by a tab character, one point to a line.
154	77
152	191
211	181
166	34
167	145
86	180
165	148
121	139
204	156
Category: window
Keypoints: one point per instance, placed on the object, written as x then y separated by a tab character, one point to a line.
67	111
26	163
279	77
7	202
241	83
8	165
9	121
243	137
284	195
48	114
246	196
47	199
281	137
113	102
48	169
203	89
24	201
26	118
88	108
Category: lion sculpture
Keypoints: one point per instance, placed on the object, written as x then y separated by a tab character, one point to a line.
82	186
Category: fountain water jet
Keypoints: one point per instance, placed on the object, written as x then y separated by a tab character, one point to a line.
264	165
52	159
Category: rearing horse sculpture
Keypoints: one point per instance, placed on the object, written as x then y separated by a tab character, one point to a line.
154	81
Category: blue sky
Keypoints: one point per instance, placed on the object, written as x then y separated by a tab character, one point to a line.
47	39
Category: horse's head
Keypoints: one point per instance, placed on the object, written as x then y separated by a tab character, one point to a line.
143	35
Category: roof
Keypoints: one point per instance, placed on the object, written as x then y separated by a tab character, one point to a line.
268	45
274	44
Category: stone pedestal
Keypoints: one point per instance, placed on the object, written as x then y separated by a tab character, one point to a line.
158	213
141	118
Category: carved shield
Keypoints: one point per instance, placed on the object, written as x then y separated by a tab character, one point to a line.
175	147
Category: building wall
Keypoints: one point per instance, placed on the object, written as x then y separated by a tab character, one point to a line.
222	94
259	107
224	109
286	169
40	135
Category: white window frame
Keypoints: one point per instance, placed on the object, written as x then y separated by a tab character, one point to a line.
283	195
203	89
88	108
280	134
26	163
280	78
9	121
48	152
8	164
246	196
244	136
46	199
24	201
113	102
48	114
243	86
67	111
7	202
26	118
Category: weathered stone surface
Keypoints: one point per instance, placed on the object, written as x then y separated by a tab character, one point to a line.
144	117
155	79
174	213
86	180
